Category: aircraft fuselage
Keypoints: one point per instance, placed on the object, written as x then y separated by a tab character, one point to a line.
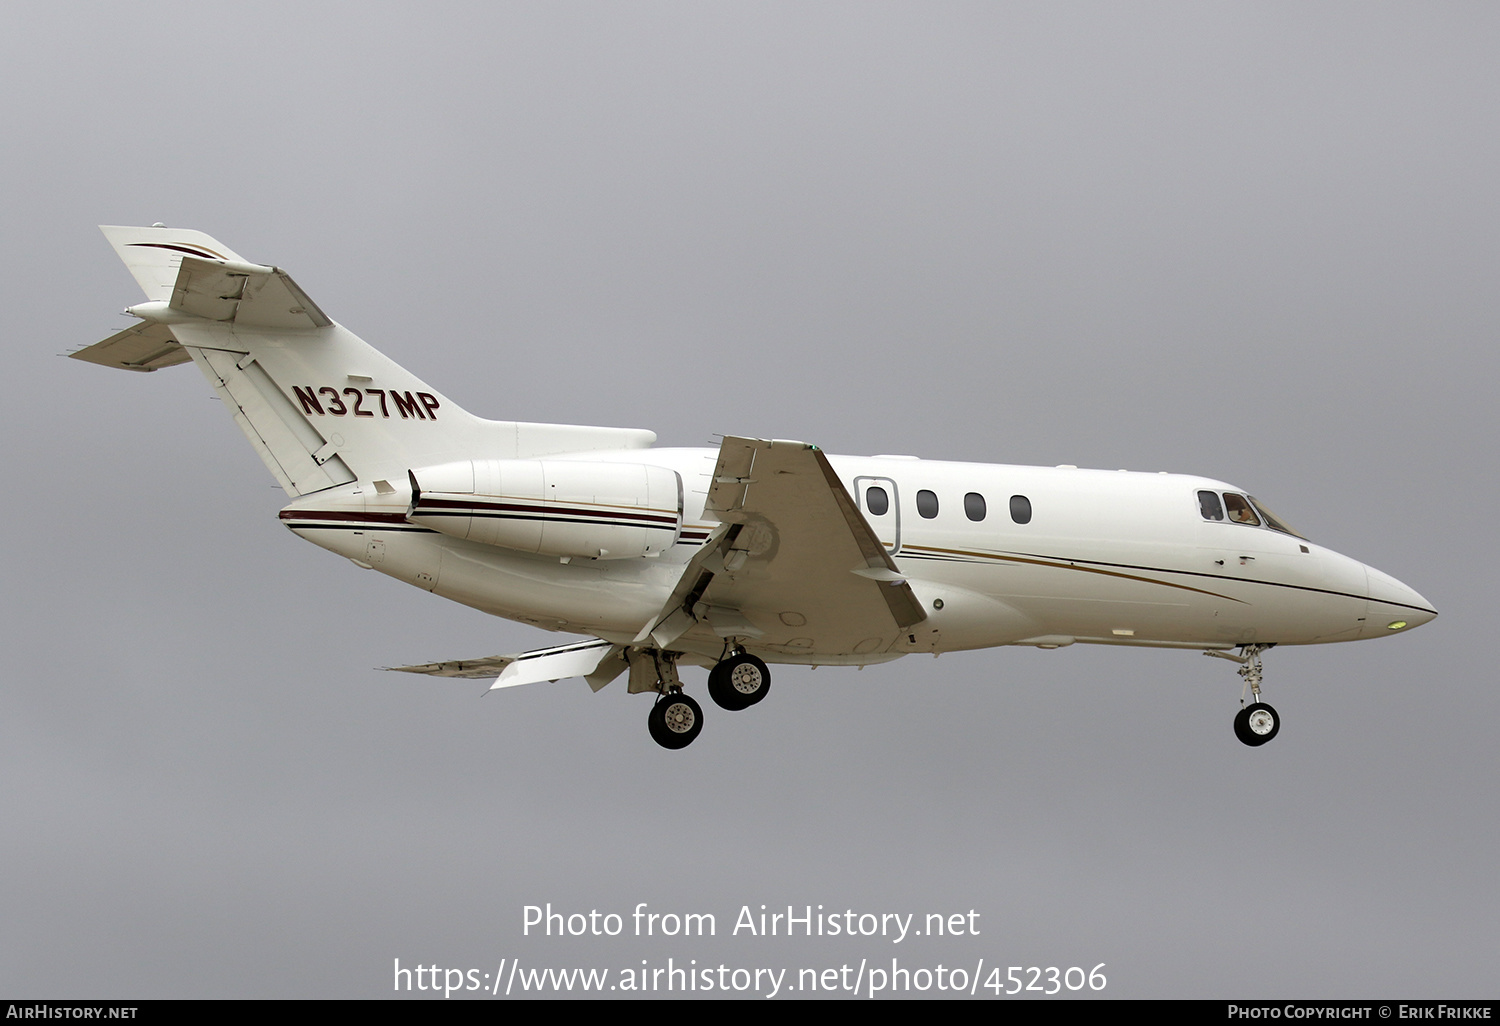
1105	557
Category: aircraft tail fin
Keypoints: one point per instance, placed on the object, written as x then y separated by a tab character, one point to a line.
154	254
319	405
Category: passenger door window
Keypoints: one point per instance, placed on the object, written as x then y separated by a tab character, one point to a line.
878	500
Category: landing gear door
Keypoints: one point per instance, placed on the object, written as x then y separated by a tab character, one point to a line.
877	500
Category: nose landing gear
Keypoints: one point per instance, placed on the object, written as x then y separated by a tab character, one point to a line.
1256	723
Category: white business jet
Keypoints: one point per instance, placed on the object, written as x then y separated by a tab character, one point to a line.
758	552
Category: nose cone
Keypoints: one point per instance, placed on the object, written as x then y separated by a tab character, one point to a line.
1394	607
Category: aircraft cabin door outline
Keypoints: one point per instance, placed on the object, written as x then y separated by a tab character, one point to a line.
878	500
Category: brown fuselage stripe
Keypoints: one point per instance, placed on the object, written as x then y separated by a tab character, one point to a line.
478	508
1008	558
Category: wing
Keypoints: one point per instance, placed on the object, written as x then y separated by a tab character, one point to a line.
486	668
795	569
588	659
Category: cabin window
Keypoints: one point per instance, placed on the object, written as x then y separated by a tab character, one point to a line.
1240	510
974	506
876	501
1020	509
1209	503
927	504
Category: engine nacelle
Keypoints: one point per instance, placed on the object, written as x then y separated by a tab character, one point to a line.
552	507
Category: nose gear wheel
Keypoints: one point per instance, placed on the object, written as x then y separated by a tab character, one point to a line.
1256	723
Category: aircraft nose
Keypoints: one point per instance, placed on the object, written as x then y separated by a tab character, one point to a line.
1394	607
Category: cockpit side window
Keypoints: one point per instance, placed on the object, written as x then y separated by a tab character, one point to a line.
1208	503
1240	510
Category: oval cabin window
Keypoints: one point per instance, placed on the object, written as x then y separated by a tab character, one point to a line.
876	501
1020	509
974	506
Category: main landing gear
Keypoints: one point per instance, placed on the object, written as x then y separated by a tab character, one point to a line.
737	681
1256	723
675	720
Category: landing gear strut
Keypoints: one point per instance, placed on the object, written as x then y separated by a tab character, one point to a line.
675	719
738	681
1256	723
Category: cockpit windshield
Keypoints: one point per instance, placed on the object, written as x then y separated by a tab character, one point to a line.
1240	509
1274	522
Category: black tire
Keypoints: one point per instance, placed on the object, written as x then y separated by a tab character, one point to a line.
739	682
1256	724
719	689
675	721
1242	726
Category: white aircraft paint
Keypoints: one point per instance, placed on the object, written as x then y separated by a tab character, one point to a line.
757	552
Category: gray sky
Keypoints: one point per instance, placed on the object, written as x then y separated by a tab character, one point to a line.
1257	242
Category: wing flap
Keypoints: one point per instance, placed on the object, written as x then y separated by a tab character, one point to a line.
553	664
